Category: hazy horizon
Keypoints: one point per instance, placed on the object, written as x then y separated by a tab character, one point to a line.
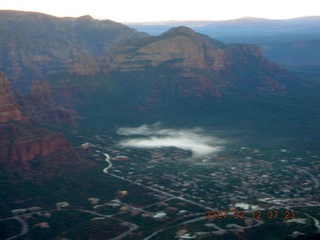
164	11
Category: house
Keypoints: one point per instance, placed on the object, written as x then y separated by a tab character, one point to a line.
86	145
188	236
159	215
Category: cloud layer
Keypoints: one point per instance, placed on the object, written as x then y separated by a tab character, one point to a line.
155	136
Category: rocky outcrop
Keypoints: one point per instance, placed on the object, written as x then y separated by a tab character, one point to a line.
8	108
23	142
20	140
39	106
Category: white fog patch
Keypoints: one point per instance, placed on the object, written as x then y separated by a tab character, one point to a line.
195	140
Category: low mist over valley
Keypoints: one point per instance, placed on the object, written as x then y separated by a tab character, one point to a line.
195	140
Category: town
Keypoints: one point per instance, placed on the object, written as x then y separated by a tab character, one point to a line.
168	193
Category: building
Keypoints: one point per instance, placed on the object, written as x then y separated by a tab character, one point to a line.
160	215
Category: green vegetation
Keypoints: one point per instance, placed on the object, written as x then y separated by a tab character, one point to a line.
72	224
9	228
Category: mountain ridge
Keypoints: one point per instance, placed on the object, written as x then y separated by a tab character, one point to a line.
181	47
198	66
34	44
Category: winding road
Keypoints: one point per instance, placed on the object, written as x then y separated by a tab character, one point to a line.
316	222
316	181
106	170
24	228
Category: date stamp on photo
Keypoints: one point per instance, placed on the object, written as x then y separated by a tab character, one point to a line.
254	214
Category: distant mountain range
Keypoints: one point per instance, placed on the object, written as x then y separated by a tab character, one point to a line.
245	25
288	42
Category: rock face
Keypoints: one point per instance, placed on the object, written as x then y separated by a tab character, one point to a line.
8	107
40	106
21	141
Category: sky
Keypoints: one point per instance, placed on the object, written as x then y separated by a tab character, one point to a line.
128	11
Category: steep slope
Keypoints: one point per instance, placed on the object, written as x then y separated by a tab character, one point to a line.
33	45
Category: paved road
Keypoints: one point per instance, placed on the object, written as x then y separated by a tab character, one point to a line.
133	227
24	229
316	181
316	222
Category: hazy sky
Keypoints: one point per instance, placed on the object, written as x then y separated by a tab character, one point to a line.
163	10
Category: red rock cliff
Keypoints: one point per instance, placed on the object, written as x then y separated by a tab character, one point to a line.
8	107
41	107
21	141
